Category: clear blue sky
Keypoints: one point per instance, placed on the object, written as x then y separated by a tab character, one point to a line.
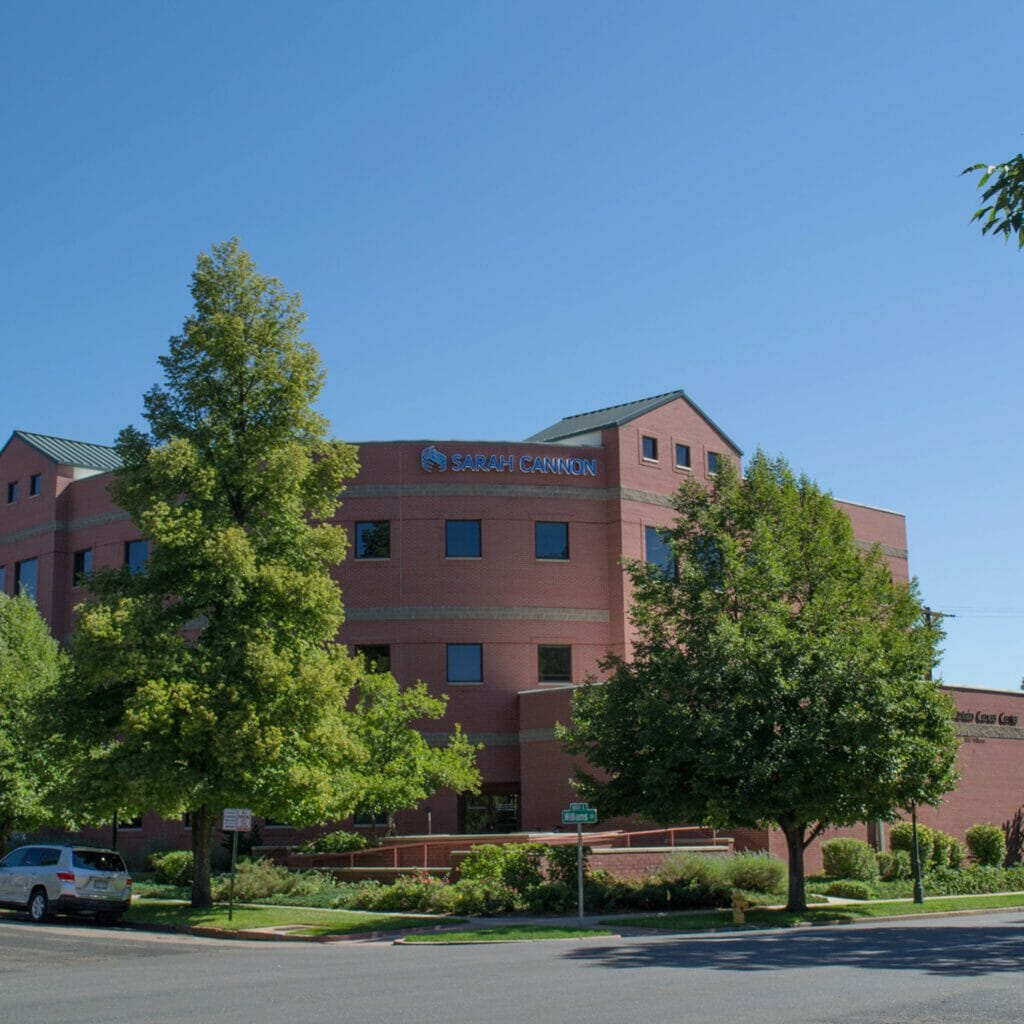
500	214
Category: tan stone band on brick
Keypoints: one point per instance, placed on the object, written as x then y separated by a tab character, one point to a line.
990	732
444	612
57	526
887	549
536	735
488	739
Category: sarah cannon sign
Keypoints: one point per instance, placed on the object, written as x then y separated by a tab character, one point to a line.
433	460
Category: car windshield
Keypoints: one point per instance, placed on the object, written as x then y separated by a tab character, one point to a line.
98	860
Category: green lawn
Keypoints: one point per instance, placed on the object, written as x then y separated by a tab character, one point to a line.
511	933
703	920
317	922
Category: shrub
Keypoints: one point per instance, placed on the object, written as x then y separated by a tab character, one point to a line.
894	866
259	879
335	842
484	896
901	837
955	855
755	872
561	864
849	858
987	844
694	868
849	890
940	849
516	865
172	867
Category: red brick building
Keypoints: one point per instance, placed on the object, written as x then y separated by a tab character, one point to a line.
491	570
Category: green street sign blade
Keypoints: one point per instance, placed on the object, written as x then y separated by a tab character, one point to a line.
579	807
587	817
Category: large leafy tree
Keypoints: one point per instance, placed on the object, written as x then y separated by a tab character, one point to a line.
1002	197
403	767
30	666
212	679
778	675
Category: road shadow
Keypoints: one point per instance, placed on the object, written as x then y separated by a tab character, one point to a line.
947	951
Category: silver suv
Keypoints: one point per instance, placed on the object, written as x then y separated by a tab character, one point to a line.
57	879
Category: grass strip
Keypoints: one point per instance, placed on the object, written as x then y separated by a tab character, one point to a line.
313	922
511	933
704	921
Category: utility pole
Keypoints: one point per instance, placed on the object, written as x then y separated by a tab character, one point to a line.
918	883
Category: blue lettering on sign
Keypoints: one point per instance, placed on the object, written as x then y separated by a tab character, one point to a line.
478	462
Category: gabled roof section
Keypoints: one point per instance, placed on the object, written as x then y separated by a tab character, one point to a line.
82	454
618	415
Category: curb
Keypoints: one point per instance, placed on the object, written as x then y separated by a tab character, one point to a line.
250	935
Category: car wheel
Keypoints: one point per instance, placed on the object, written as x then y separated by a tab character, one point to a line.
38	905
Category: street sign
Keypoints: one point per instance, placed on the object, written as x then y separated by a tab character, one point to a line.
237	819
579	807
587	817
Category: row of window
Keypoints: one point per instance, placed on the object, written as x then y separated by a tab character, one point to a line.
649	450
465	662
463	538
35	486
26	573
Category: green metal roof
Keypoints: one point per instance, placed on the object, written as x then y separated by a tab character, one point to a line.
70	453
617	415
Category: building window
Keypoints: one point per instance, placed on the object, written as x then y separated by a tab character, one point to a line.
658	551
131	825
712	462
682	456
26	578
552	540
649	446
462	538
373	540
186	821
35	484
81	567
12	492
376	656
3	579
368	819
554	663
465	663
136	555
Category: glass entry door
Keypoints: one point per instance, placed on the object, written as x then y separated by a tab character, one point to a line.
496	809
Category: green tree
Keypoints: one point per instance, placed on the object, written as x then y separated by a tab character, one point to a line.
1002	212
30	666
403	768
212	678
777	678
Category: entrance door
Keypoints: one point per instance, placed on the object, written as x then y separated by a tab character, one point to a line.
496	809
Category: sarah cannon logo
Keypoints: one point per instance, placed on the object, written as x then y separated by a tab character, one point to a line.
431	459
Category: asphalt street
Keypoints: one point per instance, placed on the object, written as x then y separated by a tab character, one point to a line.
956	969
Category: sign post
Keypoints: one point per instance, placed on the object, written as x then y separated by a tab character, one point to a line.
579	814
236	819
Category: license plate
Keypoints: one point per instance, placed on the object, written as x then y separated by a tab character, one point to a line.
99	883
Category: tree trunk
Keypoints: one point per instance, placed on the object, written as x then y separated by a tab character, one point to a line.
797	897
202	852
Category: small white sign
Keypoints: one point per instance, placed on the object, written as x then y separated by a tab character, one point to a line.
237	819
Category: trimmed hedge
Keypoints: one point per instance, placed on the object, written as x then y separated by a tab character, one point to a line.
172	867
849	858
987	844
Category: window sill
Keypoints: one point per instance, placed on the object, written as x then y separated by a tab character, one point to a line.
464	682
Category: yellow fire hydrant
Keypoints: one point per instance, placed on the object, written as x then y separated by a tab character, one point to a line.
739	907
